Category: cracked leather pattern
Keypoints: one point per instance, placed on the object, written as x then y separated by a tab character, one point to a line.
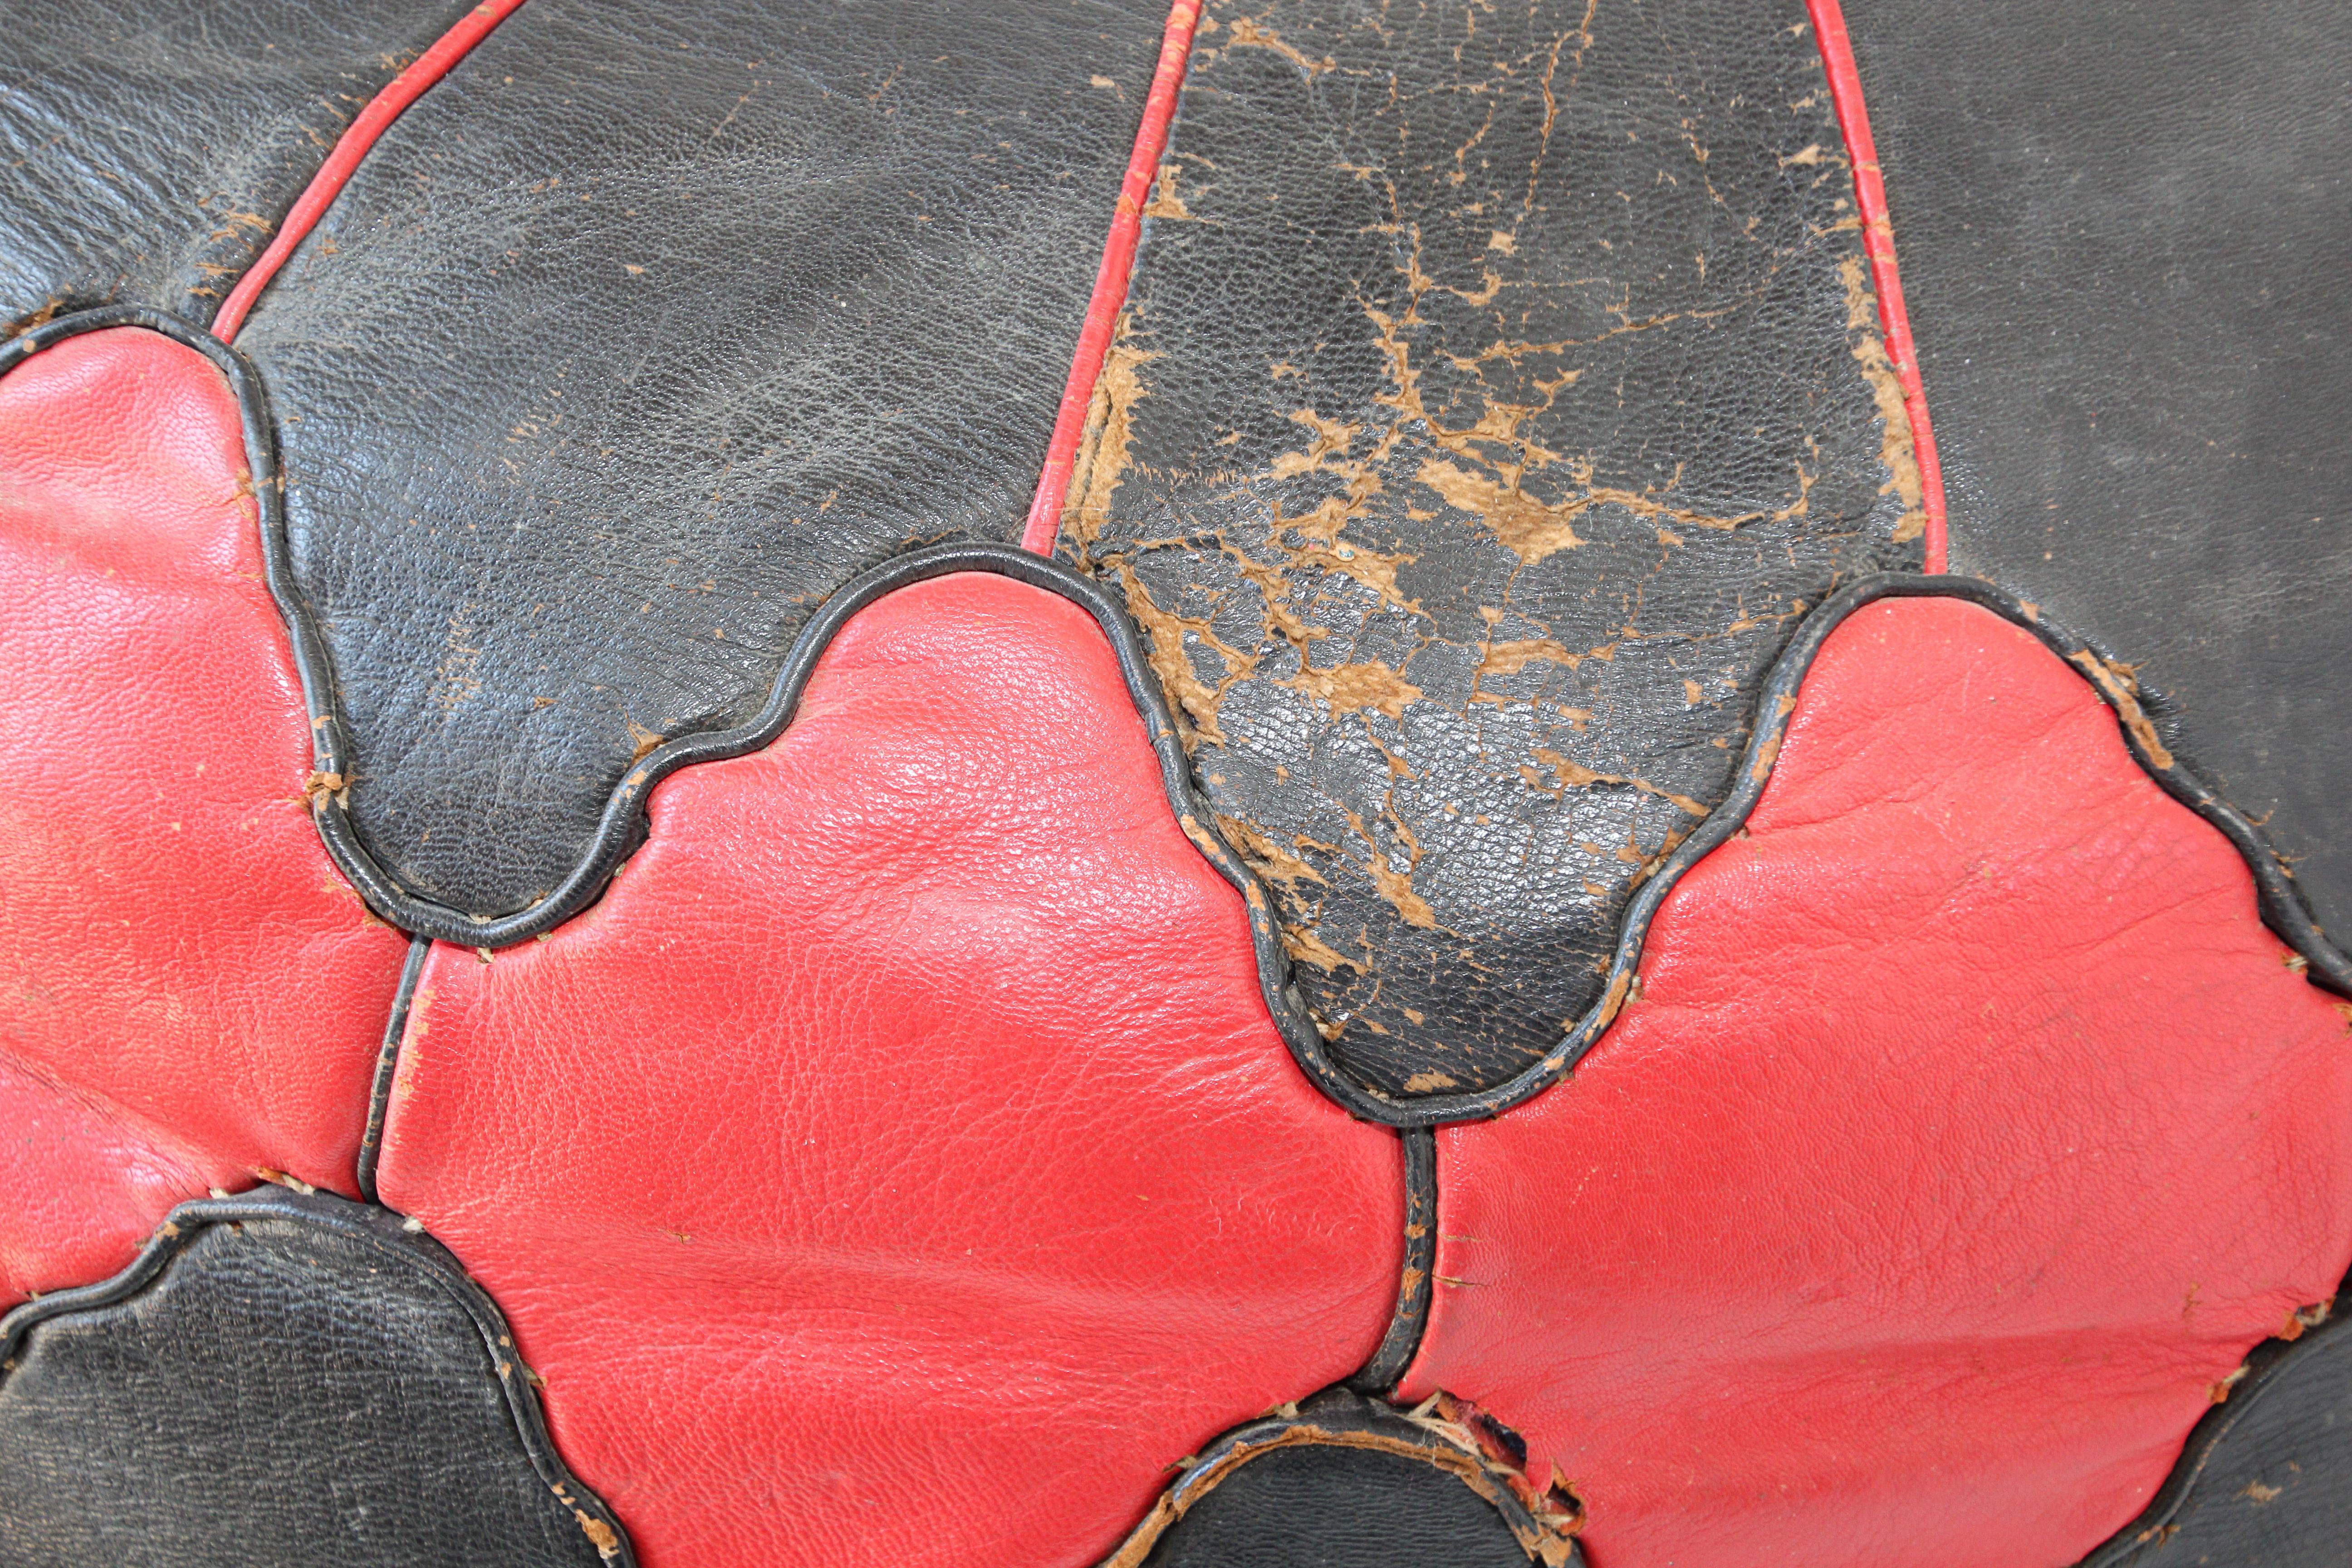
2267	1476
147	148
636	336
1496	391
300	1396
2122	243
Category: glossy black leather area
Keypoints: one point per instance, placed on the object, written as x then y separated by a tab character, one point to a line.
635	337
2122	236
283	1379
1496	391
148	148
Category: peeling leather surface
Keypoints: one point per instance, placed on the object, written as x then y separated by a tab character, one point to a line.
1495	390
148	148
283	1393
2121	235
639	333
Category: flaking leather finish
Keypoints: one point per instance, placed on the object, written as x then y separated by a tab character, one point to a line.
1496	392
912	1097
308	1385
2122	239
2267	1475
637	336
148	148
1966	1128
178	958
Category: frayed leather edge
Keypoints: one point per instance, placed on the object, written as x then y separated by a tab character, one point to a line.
622	824
1337	1418
390	1236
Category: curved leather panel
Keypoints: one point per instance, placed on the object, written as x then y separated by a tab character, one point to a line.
911	1098
2266	1478
148	148
177	953
1964	1130
640	333
293	1381
1495	393
1343	1482
2122	240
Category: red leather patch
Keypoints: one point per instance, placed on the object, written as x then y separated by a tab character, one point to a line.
901	1156
175	949
1969	1129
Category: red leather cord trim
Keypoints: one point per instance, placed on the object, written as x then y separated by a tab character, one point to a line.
1878	245
351	147
1110	281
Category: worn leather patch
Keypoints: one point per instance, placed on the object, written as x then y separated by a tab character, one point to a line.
636	336
1496	391
281	1379
148	148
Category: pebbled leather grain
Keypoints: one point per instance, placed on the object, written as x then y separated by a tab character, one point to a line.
1496	389
148	148
2267	1476
286	1381
900	1157
2121	233
178	955
641	333
1966	1130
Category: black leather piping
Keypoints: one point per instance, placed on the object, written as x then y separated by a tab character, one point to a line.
387	1062
387	1234
623	824
1402	1341
1337	1417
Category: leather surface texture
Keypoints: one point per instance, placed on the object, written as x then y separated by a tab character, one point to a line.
2267	1475
281	1380
899	1164
148	148
2121	233
637	336
1339	1481
1496	392
181	970
1964	1130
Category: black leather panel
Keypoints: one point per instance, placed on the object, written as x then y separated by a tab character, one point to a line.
639	334
2266	1478
281	1380
1343	1483
1497	390
2122	236
147	148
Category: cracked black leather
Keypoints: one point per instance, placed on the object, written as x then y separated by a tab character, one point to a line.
1496	392
638	334
148	148
1324	1504
301	1384
2121	232
2265	1481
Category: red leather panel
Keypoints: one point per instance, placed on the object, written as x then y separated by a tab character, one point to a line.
1967	1130
175	949
898	1166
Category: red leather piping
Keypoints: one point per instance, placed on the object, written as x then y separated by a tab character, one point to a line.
351	147
1110	280
1878	245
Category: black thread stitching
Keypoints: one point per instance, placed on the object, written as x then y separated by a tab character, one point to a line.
388	1236
1402	1340
387	1062
619	829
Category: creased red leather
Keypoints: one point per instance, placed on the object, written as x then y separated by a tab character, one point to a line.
1969	1129
898	1165
176	952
